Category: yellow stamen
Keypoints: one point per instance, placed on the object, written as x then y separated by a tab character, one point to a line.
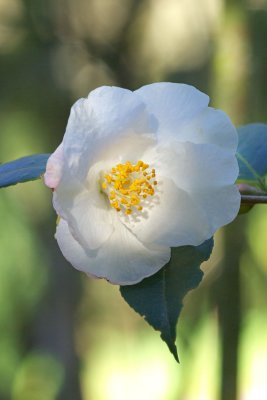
128	184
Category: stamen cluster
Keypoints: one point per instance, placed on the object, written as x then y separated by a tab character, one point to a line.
128	185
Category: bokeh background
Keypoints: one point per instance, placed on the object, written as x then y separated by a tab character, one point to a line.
64	336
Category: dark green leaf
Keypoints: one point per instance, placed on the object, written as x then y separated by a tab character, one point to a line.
160	298
252	152
23	170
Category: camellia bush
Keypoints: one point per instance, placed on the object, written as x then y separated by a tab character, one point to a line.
141	182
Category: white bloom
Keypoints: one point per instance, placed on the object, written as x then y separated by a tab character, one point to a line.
140	172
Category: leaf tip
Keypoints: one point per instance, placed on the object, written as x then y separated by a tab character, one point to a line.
173	350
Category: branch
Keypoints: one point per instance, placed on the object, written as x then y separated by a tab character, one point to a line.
249	199
252	195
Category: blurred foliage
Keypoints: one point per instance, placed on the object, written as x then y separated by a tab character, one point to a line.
72	337
39	377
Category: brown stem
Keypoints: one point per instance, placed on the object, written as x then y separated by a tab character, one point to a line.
249	199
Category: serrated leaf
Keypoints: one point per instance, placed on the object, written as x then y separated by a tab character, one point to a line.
159	298
252	152
23	169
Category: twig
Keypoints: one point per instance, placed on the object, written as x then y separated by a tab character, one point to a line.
249	199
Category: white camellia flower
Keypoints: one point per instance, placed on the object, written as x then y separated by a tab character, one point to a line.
138	173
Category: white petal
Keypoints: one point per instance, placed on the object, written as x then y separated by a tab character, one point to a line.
221	205
194	167
121	260
71	249
54	168
172	219
211	126
98	122
172	105
131	148
86	211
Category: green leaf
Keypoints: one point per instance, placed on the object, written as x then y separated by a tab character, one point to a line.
159	298
23	169
252	152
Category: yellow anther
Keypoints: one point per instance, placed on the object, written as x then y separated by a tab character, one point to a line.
135	201
145	166
117	184
112	195
127	185
108	178
124	201
115	204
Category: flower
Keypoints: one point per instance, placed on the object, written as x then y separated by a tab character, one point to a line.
138	173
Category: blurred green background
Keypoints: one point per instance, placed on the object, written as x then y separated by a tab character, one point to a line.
64	336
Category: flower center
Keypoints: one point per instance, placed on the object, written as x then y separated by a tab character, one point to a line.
129	185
